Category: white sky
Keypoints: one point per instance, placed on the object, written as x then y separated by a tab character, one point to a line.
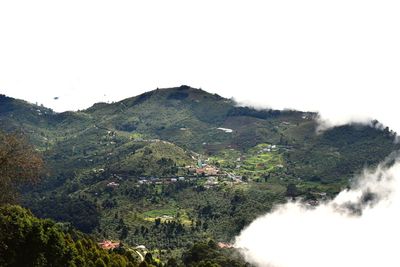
341	58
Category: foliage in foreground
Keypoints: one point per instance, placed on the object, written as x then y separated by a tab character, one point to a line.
208	254
28	241
19	164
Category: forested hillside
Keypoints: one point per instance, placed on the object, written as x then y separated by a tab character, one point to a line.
173	167
28	241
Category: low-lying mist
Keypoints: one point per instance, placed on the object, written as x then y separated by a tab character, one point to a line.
360	227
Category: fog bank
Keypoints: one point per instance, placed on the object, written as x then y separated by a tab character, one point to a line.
360	227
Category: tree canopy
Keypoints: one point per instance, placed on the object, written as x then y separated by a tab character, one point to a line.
20	163
28	241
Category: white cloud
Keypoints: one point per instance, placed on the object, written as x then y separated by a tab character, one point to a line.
295	235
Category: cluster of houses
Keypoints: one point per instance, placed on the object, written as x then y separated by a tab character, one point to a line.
112	184
211	182
108	244
203	169
268	148
211	173
207	171
155	180
224	245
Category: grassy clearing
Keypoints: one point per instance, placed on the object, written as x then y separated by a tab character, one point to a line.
256	162
170	214
160	212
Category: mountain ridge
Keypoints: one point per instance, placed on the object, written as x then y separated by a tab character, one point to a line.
189	107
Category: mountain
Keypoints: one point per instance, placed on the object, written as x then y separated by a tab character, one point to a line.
173	166
186	116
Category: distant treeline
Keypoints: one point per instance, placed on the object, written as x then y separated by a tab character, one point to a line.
260	114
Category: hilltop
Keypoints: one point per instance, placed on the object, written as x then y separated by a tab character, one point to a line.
186	116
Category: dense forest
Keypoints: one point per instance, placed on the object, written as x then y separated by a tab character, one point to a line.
28	241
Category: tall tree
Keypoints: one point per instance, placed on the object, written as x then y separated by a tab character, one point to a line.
20	164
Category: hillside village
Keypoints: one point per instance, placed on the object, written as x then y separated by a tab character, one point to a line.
206	173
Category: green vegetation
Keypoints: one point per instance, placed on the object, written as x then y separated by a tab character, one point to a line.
127	170
29	241
207	254
19	164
